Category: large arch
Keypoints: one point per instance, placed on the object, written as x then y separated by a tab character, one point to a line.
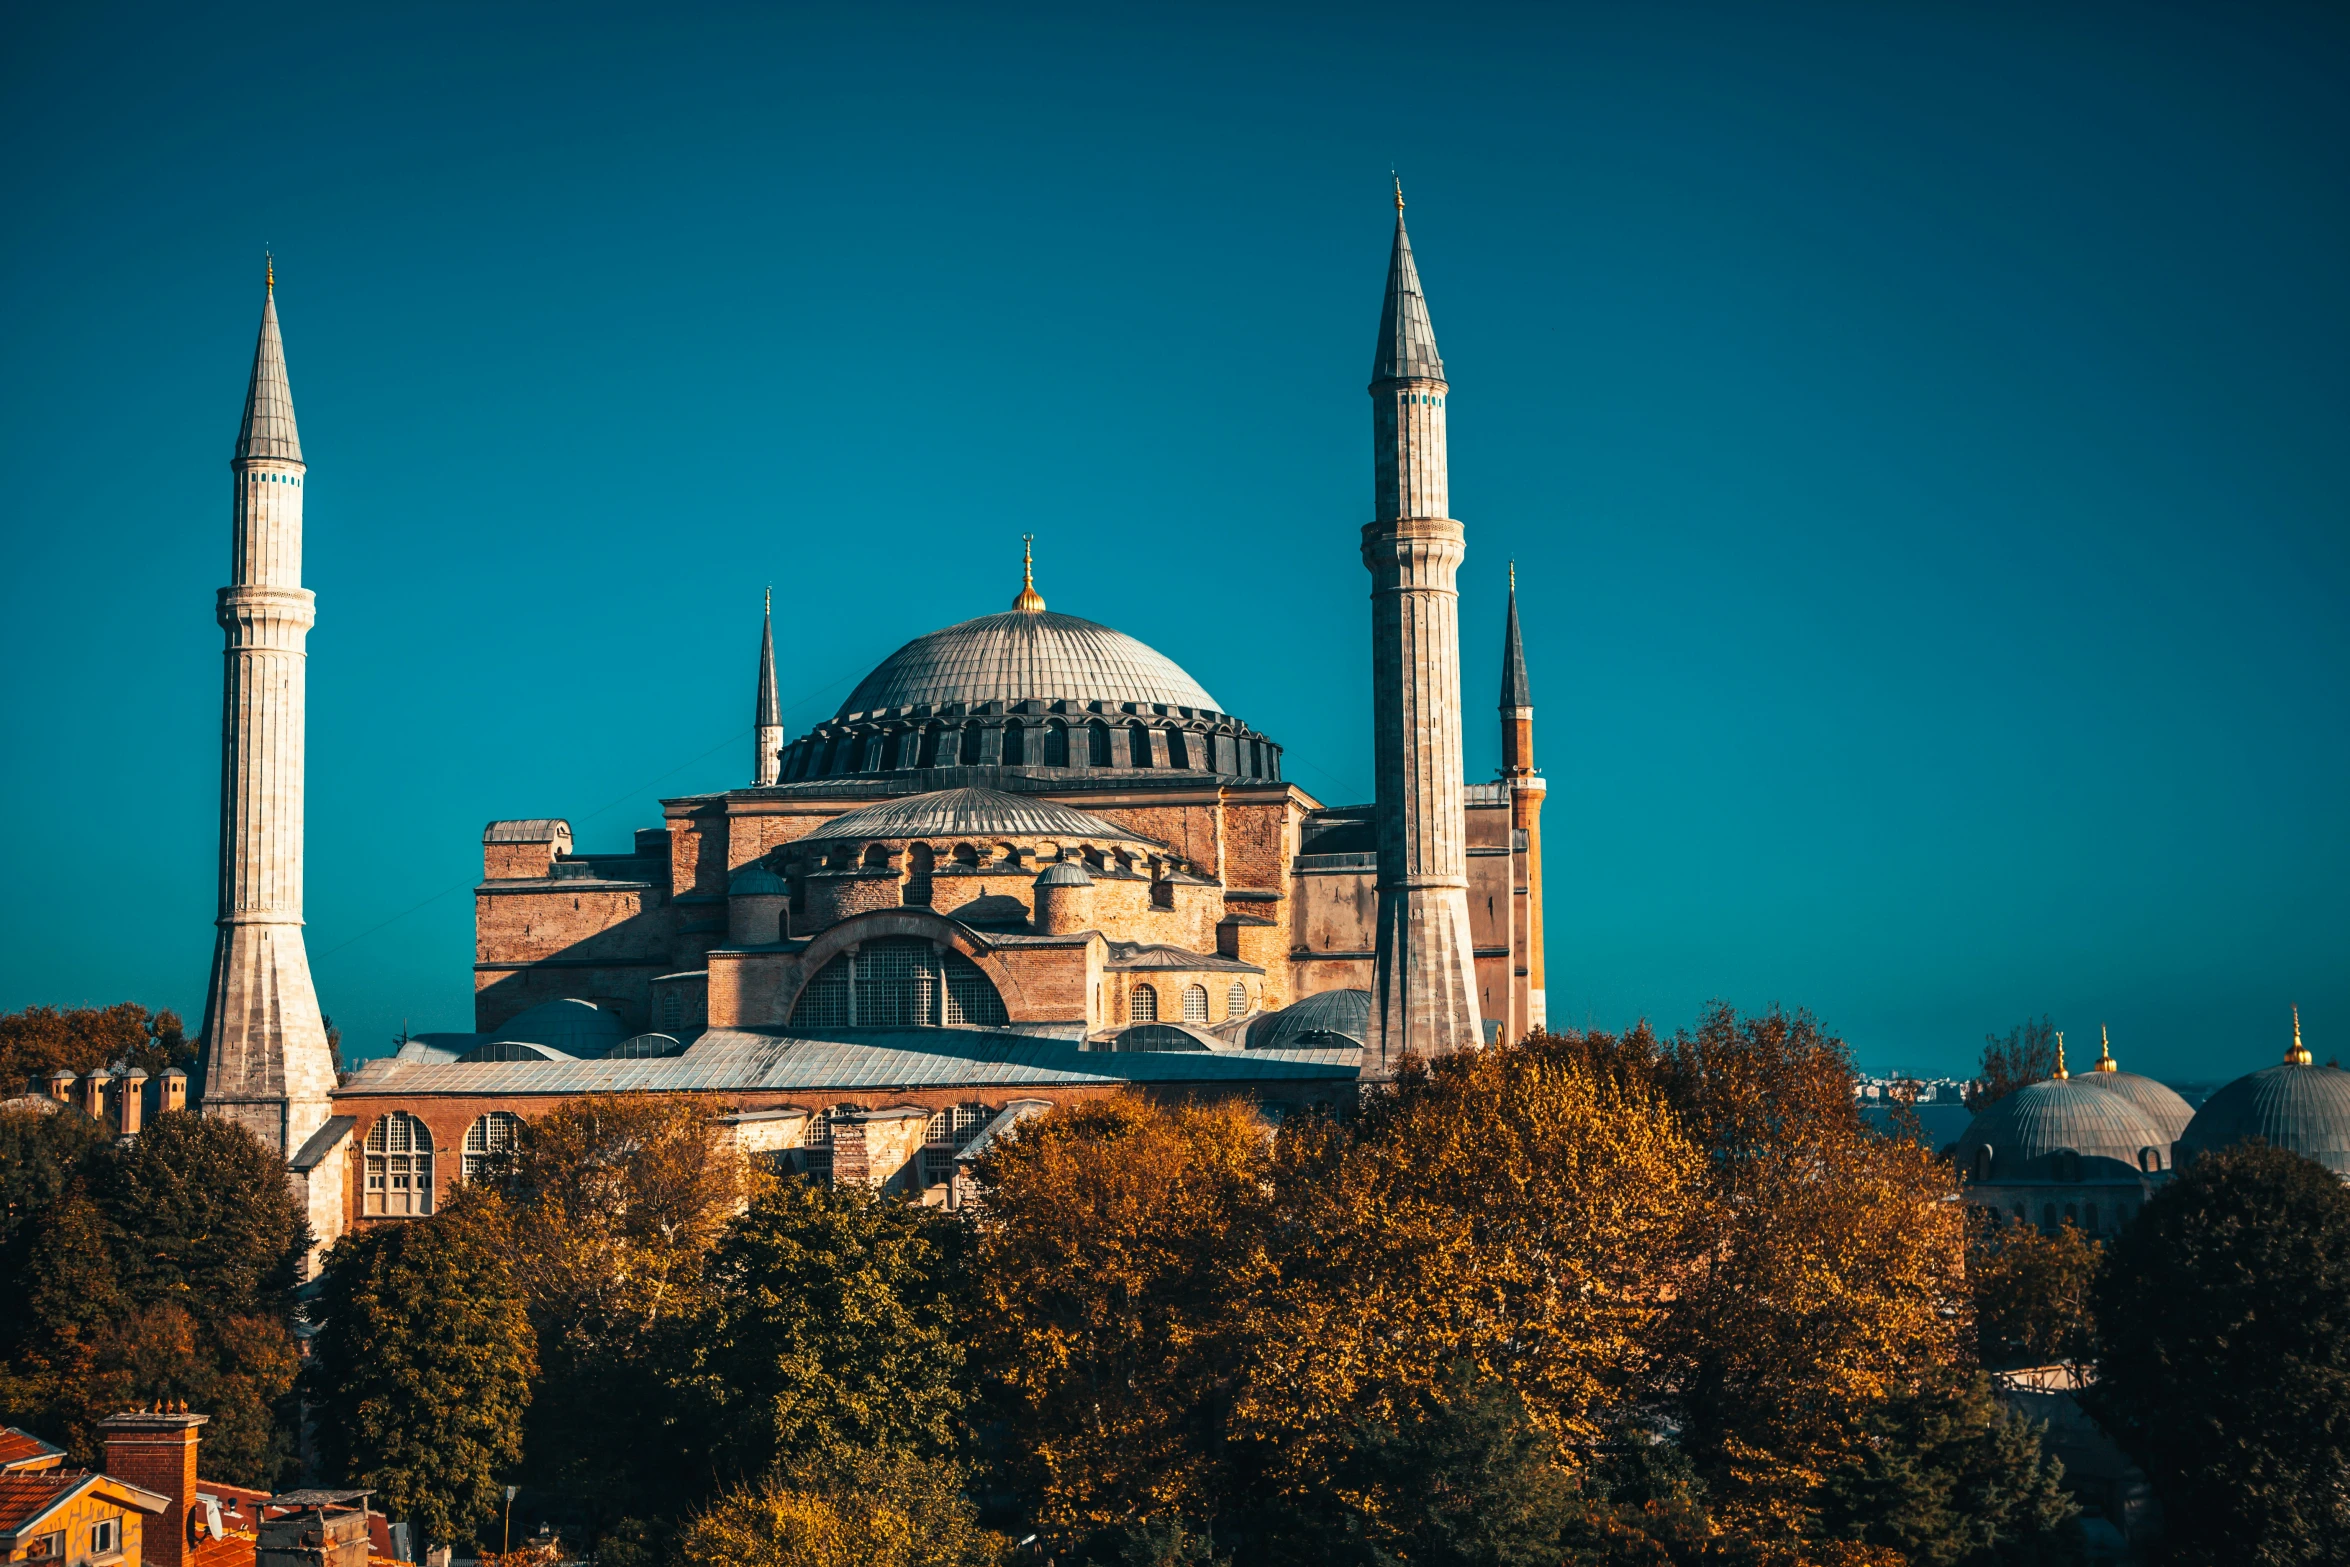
938	929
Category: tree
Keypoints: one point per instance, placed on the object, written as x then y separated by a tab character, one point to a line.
424	1356
39	1040
618	1201
40	1153
2031	1294
162	1268
1830	1259
2026	1056
835	1325
1950	1476
1121	1244
2223	1324
881	1508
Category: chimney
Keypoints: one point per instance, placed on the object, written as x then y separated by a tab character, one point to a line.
94	1094
61	1085
175	1089
132	1107
157	1449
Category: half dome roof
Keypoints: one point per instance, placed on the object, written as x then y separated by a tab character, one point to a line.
1309	1021
972	813
2304	1108
2062	1114
1017	656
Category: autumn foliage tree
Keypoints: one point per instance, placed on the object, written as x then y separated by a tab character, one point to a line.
2031	1294
41	1040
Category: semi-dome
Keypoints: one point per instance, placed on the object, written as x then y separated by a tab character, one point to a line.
971	813
575	1027
2022	1137
1326	1018
2302	1107
1015	656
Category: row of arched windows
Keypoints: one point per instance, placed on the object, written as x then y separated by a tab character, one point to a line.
398	1158
1143	1002
941	744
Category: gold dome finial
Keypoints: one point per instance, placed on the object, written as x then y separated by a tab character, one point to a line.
268	272
1391	174
2299	1055
2060	1074
1030	602
2105	1060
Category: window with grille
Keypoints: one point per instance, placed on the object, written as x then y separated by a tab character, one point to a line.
900	982
399	1166
1146	1004
1098	739
1056	744
488	1141
1236	999
672	1008
1195	1003
956	1125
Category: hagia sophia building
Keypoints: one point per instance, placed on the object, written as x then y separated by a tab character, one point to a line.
1030	859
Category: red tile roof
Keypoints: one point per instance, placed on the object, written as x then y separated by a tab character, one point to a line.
25	1497
21	1450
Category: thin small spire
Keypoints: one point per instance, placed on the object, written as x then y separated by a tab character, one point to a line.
1391	174
268	271
1407	342
2299	1055
2060	1074
1516	692
268	427
2105	1060
1029	602
770	715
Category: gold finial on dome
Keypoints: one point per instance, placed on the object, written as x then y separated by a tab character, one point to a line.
1030	602
2060	1074
268	272
2105	1060
1391	174
2299	1055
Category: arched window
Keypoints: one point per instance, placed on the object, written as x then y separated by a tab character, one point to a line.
399	1166
831	755
1983	1170
970	745
488	1141
928	755
1236	999
1056	744
900	982
1177	754
1015	743
1097	739
877	857
1195	1003
966	856
2149	1159
1138	741
1146	1004
920	860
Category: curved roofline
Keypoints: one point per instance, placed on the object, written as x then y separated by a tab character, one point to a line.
1041	647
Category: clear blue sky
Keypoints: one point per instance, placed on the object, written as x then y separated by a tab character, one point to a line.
1920	429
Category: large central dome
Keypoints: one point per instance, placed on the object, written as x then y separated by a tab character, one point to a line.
1021	655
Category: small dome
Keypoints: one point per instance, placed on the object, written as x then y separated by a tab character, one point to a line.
971	813
2304	1108
1326	1018
755	880
2169	1113
1063	873
575	1027
2023	1132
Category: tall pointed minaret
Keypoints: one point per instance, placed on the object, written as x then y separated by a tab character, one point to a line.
1424	985
266	1061
1526	790
767	749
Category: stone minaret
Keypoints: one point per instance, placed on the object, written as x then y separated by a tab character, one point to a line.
1424	986
1526	791
266	1061
767	749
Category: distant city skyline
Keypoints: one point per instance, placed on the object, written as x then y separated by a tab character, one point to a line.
1918	435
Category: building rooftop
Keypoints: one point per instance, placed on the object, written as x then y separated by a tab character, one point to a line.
1016	656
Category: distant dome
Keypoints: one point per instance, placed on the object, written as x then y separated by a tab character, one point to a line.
971	813
2169	1113
2304	1108
512	1050
2023	1132
755	880
1063	873
1326	1018
1016	656
575	1027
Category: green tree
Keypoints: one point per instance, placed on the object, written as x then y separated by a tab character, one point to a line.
2026	1056
424	1355
851	1508
41	1151
1950	1476
2031	1294
834	1325
2223	1323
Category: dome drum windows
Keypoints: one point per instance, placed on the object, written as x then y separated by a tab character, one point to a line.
398	1167
1236	1000
1143	1006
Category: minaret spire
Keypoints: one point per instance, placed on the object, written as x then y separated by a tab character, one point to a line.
1529	1005
767	747
1424	982
266	1061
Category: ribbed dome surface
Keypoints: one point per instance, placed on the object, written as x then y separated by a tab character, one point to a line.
755	880
1013	657
971	813
2304	1108
1346	1013
2063	1113
2169	1113
1063	873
